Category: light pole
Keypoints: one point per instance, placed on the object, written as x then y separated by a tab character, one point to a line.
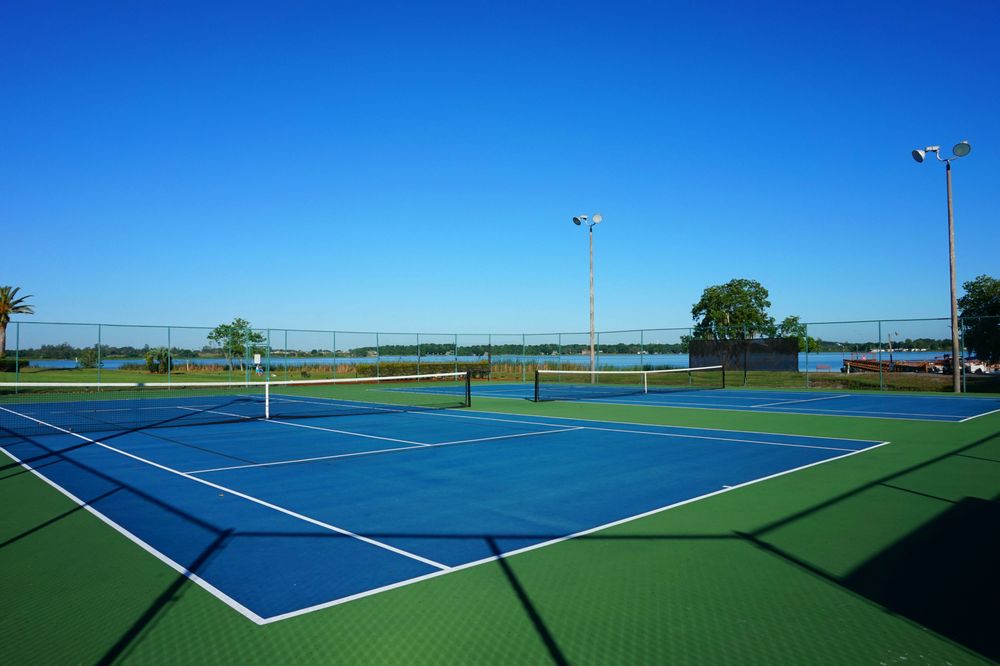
961	149
580	220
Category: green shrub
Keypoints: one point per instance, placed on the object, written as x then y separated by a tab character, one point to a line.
87	358
10	365
478	369
158	360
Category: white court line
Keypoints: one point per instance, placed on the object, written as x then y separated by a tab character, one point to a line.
846	414
550	542
857	414
907	416
792	402
520	434
370	453
211	589
664	434
976	416
443	570
310	427
456	414
724	439
250	498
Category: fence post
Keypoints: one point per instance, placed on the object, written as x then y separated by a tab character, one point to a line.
807	353
170	355
746	349
378	357
559	342
524	356
961	346
881	379
642	348
418	353
99	351
17	354
456	352
267	361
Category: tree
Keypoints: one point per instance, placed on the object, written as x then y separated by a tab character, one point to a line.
981	317
10	303
236	339
87	358
791	327
158	360
735	310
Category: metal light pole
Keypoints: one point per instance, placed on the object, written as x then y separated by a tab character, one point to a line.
961	149
595	220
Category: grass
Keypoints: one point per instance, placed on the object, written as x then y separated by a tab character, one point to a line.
831	381
883	557
90	375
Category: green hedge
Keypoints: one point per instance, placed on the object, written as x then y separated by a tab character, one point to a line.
479	369
10	365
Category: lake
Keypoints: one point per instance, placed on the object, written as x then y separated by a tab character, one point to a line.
807	362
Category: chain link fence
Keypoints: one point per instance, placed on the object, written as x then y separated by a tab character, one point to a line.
885	354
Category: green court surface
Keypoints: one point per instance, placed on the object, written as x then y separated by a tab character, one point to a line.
884	557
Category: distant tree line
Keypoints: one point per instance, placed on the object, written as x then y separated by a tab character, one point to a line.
65	350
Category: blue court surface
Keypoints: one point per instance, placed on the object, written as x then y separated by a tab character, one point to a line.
872	405
281	517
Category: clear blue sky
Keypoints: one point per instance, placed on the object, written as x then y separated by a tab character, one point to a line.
415	166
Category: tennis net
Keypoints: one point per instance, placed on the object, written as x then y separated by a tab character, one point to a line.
584	384
28	408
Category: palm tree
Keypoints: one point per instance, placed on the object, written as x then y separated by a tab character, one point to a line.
10	304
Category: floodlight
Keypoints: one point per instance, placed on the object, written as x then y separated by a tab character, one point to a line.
962	149
597	218
579	219
918	155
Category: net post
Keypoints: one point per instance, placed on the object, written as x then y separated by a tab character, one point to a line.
723	366
468	388
537	392
267	400
645	382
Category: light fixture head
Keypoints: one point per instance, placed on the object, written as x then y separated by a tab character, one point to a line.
579	219
961	149
597	218
918	155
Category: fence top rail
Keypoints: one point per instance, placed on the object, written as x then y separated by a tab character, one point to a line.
28	322
877	321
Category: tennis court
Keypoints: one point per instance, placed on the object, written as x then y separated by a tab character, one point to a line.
627	388
305	508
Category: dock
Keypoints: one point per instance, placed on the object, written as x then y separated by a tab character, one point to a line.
873	365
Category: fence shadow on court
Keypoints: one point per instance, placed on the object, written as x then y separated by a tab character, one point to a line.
941	576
